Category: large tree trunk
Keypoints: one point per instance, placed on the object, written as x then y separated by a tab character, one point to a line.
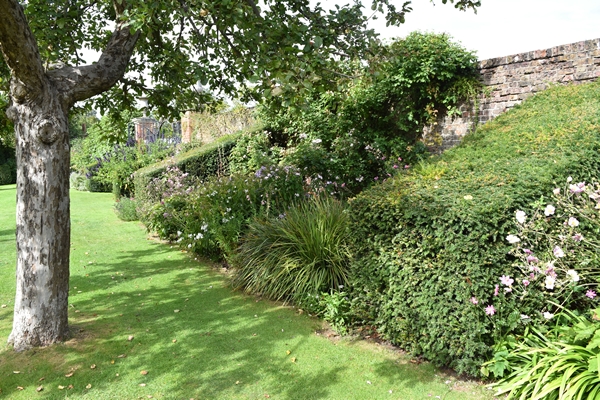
40	101
43	225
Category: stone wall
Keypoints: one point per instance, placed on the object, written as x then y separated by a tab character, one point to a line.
511	79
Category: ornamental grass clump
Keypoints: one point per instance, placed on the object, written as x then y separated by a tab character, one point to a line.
303	251
560	363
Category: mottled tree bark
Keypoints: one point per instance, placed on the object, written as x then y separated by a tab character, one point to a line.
40	102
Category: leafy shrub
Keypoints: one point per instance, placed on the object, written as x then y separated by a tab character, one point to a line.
351	135
336	310
297	253
8	163
557	255
126	209
427	242
8	172
78	181
560	363
211	218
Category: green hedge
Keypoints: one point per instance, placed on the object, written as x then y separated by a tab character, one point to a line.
202	162
8	166
426	242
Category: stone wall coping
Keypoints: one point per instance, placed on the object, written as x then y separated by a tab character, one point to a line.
577	47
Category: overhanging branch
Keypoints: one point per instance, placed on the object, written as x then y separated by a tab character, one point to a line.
20	50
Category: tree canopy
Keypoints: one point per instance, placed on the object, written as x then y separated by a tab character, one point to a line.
230	46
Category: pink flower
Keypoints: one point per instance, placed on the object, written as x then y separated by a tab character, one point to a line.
527	251
532	259
496	289
490	310
395	166
474	300
506	280
406	166
578	237
525	282
591	294
578	188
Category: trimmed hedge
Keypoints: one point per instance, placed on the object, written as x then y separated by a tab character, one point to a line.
427	241
203	162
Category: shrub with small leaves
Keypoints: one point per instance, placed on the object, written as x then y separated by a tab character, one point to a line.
126	209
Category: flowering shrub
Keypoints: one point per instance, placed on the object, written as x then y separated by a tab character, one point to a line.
209	219
557	257
426	242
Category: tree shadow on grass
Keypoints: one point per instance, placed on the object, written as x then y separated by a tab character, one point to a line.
192	334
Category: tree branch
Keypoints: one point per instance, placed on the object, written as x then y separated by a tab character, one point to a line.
80	83
20	50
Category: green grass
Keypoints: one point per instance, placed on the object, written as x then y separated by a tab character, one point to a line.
219	345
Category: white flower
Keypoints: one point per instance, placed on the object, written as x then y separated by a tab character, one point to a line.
523	316
521	216
316	141
303	136
573	275
548	315
558	252
178	233
549	210
573	222
549	282
556	191
512	239
569	179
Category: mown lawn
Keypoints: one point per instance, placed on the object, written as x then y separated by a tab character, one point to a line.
150	322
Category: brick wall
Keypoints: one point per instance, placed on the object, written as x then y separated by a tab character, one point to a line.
511	79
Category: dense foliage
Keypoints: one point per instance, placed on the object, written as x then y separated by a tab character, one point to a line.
426	243
300	252
370	126
557	363
199	162
210	218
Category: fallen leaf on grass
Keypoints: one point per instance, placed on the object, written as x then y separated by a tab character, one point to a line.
144	372
112	361
41	379
3	306
293	359
20	388
70	374
176	311
288	352
70	387
16	372
142	384
61	387
88	386
130	338
237	382
121	356
39	389
93	366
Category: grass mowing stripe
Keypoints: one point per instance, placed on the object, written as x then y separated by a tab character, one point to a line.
139	305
